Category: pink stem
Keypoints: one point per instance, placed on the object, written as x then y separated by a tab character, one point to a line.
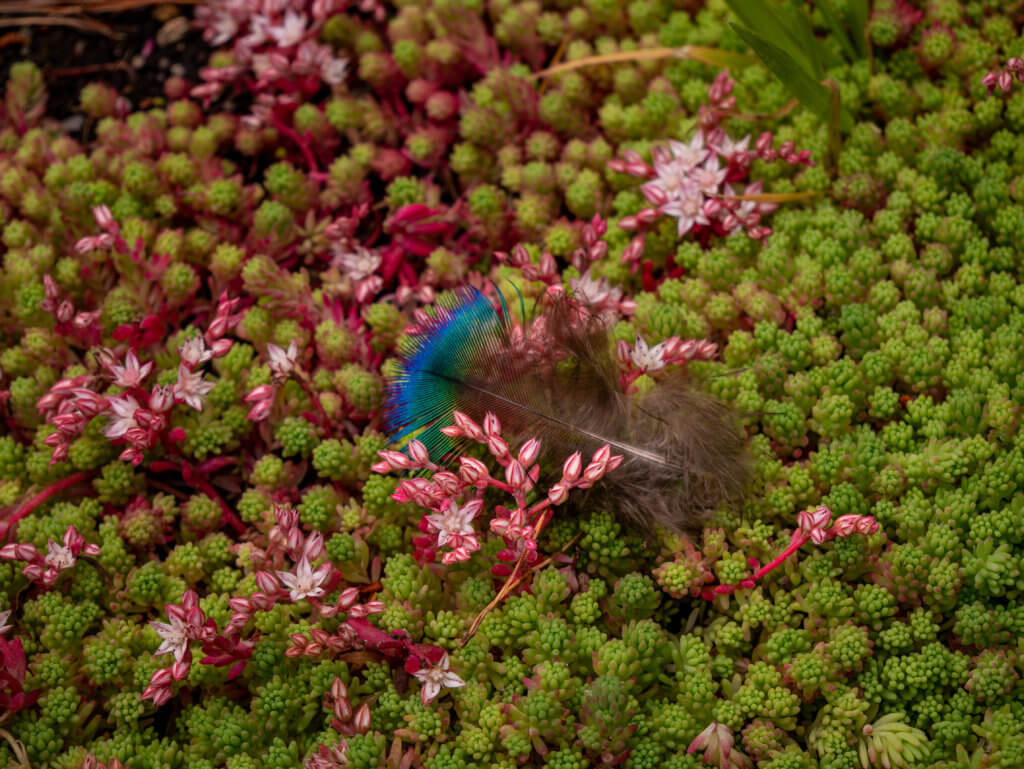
798	540
38	499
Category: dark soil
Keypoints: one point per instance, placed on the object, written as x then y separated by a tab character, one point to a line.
70	58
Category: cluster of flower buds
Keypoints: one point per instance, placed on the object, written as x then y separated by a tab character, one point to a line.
281	362
81	326
109	237
345	720
812	526
1003	78
274	49
450	525
689	182
44	570
69	405
188	623
642	359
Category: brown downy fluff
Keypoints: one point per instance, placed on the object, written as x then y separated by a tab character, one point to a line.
684	454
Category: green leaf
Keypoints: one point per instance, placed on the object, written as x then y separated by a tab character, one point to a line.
810	92
838	29
774	24
857	17
803	36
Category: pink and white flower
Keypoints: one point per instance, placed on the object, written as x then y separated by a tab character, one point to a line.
191	388
282	361
648	358
305	582
131	373
124	408
435	678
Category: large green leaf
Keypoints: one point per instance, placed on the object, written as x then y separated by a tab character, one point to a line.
778	25
809	91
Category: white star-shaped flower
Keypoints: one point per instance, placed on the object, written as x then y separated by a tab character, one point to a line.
59	556
124	408
305	583
593	290
195	352
647	358
290	31
688	208
131	373
357	263
191	388
455	522
281	361
691	154
175	638
709	176
437	677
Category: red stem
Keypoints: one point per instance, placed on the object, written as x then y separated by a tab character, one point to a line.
798	540
30	505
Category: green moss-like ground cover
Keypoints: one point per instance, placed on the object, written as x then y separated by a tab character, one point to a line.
872	344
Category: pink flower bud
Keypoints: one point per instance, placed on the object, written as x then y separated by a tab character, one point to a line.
648	215
472	470
221	347
447	483
639	169
262	601
763	143
529	451
867	525
260	411
1005	81
314	546
396	460
361	720
65	311
452	431
418	452
491	425
712	207
179	670
572	467
240	605
347	599
515	474
628	223
162	677
845	525
617	165
105	219
497	446
655	194
261	393
558	493
634	250
468	427
266	581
